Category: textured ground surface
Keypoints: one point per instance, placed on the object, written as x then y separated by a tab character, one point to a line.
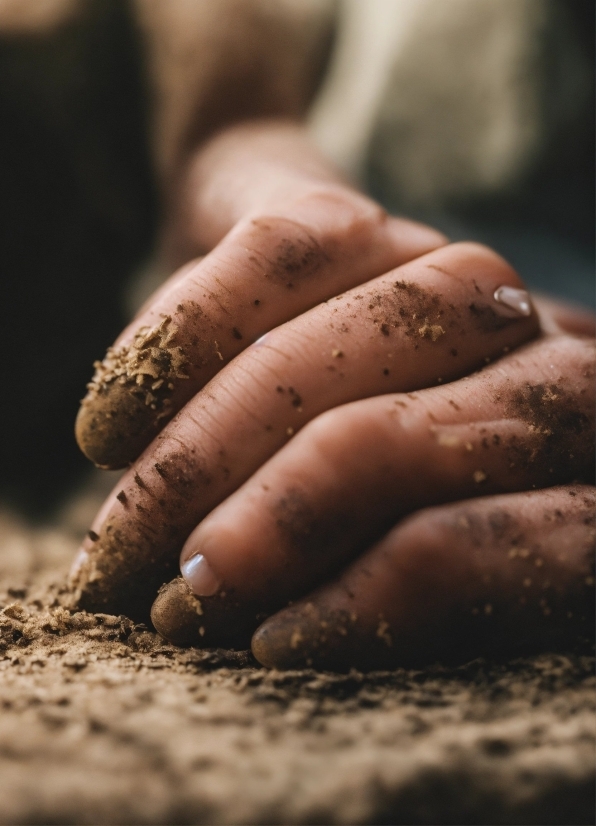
101	722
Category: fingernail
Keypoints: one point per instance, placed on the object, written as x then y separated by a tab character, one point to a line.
199	576
518	300
80	559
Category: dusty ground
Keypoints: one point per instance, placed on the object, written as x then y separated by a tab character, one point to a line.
102	722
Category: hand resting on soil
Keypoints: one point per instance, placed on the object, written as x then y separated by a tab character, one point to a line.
320	358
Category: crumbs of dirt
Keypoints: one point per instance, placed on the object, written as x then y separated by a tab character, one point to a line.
130	394
149	365
103	722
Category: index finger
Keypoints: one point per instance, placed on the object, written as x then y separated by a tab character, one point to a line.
268	269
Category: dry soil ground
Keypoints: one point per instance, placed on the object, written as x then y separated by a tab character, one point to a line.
102	722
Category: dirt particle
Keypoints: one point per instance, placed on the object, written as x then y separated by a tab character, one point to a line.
383	633
139	482
151	361
93	536
236	333
479	476
432	331
448	440
160	470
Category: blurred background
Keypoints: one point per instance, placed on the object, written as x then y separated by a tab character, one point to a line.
474	115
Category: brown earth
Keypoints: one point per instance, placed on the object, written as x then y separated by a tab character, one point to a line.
102	722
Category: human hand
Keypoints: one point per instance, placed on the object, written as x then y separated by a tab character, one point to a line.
135	537
410	328
497	573
295	237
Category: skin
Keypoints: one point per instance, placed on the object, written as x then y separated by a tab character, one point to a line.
315	506
403	338
505	574
294	456
288	235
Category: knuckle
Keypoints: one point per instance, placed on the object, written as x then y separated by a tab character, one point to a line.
342	216
328	433
312	230
284	249
344	434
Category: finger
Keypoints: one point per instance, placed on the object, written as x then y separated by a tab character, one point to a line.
407	329
267	270
499	575
353	472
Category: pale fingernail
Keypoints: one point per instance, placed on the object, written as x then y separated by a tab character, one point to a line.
80	559
199	576
515	299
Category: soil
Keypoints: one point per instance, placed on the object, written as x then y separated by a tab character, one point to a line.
103	722
129	394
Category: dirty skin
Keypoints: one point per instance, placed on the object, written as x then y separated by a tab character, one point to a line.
559	424
423	313
137	388
220	621
536	458
522	554
129	559
130	395
292	259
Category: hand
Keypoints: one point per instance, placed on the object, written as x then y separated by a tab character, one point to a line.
496	572
410	328
396	333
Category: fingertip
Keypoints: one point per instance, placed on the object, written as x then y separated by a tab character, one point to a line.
176	614
113	428
219	621
271	644
309	634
